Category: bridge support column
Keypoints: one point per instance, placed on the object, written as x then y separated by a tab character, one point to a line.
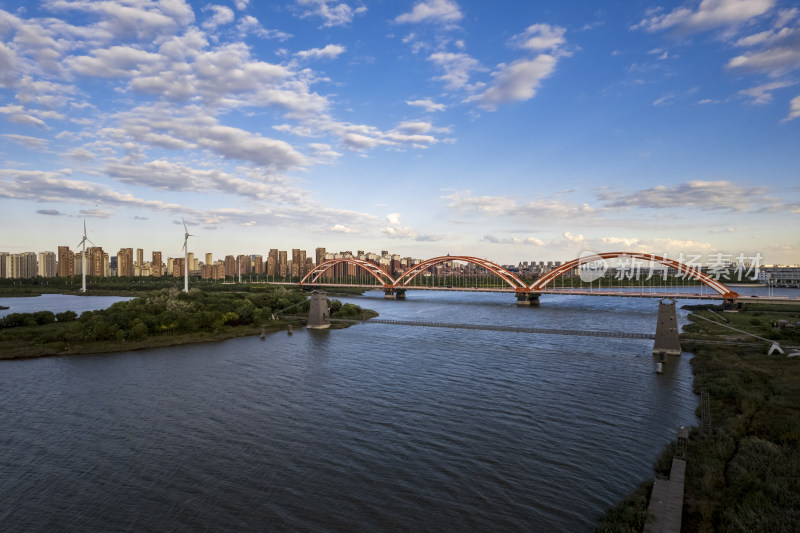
527	298
396	294
318	314
667	341
729	305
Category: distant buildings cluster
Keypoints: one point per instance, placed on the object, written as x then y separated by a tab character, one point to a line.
277	266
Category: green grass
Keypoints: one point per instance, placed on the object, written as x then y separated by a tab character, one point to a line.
160	318
745	474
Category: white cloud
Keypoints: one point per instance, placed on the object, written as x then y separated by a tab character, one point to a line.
406	233
393	218
515	82
249	24
339	228
509	206
697	194
332	13
330	51
709	14
512	240
34	143
794	109
222	15
457	67
241	4
436	11
774	61
664	100
539	37
763	93
427	104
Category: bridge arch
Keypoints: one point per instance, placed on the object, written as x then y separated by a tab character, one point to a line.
707	280
511	279
383	278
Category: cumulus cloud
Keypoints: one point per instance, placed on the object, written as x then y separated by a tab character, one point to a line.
794	109
221	15
330	51
435	11
250	25
427	104
539	37
519	80
458	67
332	13
709	14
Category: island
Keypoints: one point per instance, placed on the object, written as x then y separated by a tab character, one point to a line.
166	317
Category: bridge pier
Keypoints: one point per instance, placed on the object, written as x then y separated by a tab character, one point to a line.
318	313
396	294
668	341
730	305
527	298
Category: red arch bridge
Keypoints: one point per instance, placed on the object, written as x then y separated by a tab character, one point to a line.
482	275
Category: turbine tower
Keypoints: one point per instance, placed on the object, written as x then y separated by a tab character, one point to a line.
186	236
83	256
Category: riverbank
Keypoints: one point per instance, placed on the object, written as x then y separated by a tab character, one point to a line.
743	473
162	319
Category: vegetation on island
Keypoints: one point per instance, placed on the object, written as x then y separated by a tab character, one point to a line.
159	318
743	474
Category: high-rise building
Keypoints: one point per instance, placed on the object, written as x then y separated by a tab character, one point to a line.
22	265
319	253
309	266
209	259
213	270
230	266
96	262
47	264
244	264
125	262
272	262
283	263
139	262
298	263
3	267
177	267
258	264
156	266
66	262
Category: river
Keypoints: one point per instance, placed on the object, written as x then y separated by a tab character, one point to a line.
371	428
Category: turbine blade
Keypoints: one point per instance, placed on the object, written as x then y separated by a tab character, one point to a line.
184	225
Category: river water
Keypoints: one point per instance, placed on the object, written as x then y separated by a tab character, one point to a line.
371	428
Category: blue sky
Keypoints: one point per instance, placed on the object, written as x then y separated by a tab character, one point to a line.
507	130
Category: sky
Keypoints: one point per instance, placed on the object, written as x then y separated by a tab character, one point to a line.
510	130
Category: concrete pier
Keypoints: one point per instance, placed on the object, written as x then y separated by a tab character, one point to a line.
318	314
667	337
527	298
396	294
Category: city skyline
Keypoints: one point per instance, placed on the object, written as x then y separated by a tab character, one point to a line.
425	127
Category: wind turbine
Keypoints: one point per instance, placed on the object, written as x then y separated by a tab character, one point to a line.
186	236
83	256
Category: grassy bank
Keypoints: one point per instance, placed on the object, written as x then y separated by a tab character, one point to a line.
744	474
162	318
